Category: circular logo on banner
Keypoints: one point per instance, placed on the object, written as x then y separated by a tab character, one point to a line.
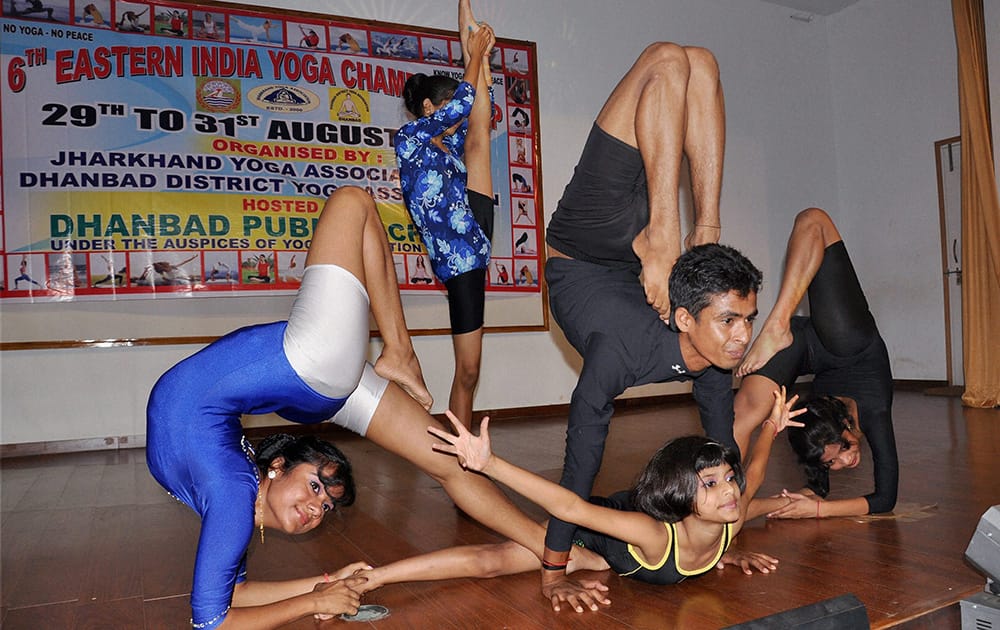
283	98
219	95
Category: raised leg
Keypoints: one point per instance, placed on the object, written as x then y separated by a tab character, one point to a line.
705	144
477	140
350	234
466	25
469	346
668	104
812	233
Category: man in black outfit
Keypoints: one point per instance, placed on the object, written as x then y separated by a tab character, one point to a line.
613	283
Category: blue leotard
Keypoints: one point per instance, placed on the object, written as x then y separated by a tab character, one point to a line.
196	450
434	187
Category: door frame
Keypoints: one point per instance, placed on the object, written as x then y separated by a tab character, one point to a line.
945	260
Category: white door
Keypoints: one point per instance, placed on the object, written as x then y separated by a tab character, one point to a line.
949	167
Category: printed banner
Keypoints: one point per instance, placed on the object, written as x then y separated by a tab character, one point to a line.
166	150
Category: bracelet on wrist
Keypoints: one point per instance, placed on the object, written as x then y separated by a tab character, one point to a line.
773	424
554	566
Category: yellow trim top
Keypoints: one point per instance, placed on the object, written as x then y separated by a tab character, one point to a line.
723	545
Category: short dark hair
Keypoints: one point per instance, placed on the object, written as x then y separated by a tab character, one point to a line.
437	87
333	468
705	271
826	418
667	488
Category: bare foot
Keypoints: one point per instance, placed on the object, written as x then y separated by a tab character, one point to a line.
467	25
581	559
406	373
657	261
771	340
702	234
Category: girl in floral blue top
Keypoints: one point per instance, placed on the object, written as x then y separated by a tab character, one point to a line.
444	166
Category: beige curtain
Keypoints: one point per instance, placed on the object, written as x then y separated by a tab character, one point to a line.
980	213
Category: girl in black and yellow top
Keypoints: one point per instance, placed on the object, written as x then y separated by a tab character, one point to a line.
676	522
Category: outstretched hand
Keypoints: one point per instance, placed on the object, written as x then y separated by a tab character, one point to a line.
782	413
474	453
749	560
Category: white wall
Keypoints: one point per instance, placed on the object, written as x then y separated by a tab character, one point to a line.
893	68
795	134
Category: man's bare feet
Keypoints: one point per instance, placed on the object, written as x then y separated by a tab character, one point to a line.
657	261
405	372
701	235
771	340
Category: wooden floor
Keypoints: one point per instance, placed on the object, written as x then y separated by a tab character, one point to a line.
89	540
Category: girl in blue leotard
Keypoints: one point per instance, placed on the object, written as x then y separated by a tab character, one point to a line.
308	369
305	369
444	166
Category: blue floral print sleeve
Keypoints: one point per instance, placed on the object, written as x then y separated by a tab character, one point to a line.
434	188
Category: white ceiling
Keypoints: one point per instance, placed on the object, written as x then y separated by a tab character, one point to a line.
816	7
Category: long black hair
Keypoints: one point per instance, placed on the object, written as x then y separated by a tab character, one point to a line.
436	87
333	468
667	488
826	418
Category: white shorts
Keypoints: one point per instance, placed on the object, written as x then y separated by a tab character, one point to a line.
326	343
357	412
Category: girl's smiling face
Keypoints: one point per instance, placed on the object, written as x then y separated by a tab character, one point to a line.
295	500
718	495
843	454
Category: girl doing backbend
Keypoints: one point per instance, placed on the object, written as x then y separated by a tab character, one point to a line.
308	369
840	345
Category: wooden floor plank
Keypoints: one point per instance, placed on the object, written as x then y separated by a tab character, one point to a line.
123	550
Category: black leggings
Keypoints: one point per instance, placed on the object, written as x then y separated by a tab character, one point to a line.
466	301
837	305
